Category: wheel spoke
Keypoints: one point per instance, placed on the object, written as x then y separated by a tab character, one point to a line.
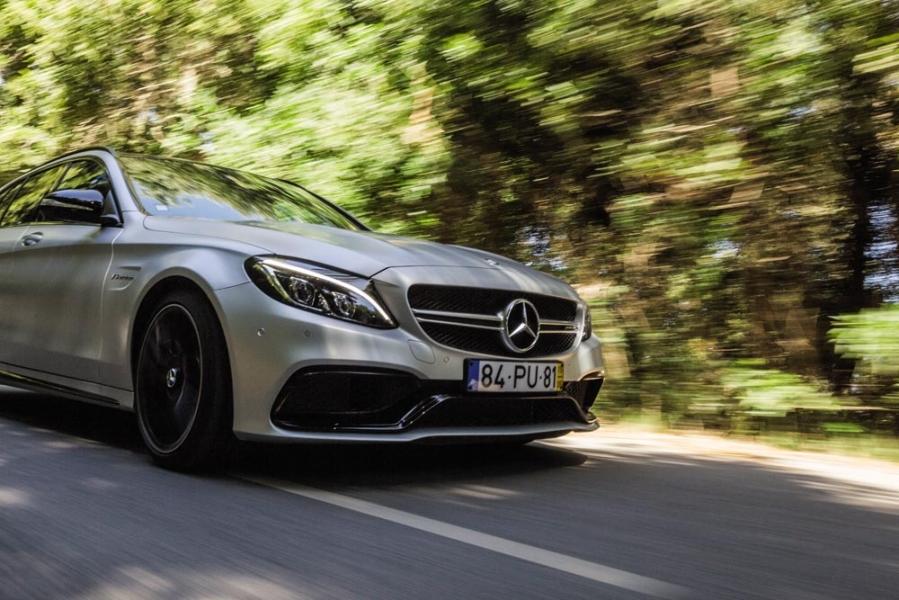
183	409
169	377
155	348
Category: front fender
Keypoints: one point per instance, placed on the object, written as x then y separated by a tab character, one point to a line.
134	274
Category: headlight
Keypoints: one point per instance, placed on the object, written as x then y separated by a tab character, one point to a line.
318	289
588	324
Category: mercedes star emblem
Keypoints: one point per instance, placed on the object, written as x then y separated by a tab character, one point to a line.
521	325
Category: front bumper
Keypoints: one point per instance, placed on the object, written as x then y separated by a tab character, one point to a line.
271	344
383	402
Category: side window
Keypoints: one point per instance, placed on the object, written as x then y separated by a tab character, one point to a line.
79	175
6	196
28	195
85	175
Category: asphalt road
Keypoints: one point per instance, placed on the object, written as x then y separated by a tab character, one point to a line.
84	514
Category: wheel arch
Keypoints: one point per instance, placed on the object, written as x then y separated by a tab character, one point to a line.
207	438
157	290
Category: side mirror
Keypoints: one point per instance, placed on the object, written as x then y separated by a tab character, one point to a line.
88	200
110	220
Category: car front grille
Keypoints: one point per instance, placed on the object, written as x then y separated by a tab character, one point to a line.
470	319
485	301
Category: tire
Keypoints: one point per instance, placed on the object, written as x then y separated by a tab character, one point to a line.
182	384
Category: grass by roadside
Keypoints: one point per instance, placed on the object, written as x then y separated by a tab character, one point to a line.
865	445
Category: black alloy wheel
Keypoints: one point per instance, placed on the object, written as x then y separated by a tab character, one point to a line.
182	384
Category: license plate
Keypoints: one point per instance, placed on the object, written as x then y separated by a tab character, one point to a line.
509	376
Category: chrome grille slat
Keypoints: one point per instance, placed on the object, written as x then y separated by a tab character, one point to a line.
460	324
559	323
461	315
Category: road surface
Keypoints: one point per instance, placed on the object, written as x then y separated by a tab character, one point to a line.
613	514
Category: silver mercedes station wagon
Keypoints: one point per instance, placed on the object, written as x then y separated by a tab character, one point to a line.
217	304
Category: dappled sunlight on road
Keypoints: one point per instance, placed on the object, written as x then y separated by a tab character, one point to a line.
137	582
11	497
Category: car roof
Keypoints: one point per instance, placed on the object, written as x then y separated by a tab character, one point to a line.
107	149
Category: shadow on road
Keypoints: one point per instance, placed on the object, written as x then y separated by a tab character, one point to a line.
362	465
104	425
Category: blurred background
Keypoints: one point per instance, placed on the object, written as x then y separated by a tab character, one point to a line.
719	178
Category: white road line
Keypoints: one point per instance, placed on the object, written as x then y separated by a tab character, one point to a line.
554	560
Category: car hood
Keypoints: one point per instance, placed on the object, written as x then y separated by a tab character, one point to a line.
361	252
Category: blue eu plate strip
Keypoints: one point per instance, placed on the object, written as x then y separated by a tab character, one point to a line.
473	375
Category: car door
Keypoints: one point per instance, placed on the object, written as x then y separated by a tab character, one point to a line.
17	206
61	265
8	238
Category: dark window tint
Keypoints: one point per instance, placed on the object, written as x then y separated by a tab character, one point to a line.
29	194
79	175
177	188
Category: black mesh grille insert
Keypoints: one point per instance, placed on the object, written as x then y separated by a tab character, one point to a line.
485	301
584	391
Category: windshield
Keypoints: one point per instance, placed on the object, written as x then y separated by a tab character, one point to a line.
177	188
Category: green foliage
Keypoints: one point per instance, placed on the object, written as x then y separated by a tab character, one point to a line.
770	392
872	336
